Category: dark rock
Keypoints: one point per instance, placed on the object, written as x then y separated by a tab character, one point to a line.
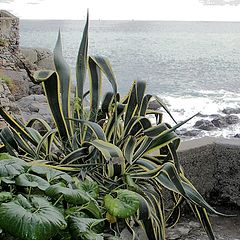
237	135
191	133
231	110
220	122
204	125
154	105
232	119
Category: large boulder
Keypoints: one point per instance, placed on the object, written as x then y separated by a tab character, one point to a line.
229	110
220	122
232	119
18	82
35	106
204	125
41	57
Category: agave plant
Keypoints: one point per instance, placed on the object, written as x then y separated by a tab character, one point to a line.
127	159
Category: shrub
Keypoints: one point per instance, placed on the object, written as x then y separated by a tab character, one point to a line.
118	160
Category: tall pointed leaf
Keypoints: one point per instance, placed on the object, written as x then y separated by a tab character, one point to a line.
64	74
81	66
51	87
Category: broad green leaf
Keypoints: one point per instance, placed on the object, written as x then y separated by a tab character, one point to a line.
124	205
90	187
5	197
74	196
12	167
51	174
34	219
84	228
30	180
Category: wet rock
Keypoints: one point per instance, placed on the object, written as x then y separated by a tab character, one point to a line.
154	105
232	119
237	135
191	133
231	110
204	125
220	122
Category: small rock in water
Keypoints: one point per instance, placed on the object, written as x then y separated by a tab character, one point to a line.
232	119
220	122
204	125
154	105
231	110
191	133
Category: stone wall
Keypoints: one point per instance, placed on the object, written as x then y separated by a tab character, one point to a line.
213	166
9	40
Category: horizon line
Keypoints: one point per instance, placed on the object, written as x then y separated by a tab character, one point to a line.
129	20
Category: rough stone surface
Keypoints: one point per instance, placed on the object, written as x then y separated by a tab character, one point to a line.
220	122
231	110
232	119
41	57
204	125
213	166
7	101
197	159
35	106
154	105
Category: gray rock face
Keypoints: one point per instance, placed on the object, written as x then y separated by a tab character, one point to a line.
7	101
220	122
35	106
204	125
232	119
231	110
19	82
41	57
154	105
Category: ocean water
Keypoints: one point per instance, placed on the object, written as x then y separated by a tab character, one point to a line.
193	66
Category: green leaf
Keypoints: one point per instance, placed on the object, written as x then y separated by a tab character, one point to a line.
15	125
81	66
95	88
5	197
84	228
64	74
124	205
50	173
30	180
74	196
105	66
12	167
90	187
51	86
33	219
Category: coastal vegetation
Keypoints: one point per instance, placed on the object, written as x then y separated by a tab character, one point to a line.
105	166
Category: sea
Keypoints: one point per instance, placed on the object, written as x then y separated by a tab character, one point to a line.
192	66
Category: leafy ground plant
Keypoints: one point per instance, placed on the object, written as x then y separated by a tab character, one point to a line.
102	168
